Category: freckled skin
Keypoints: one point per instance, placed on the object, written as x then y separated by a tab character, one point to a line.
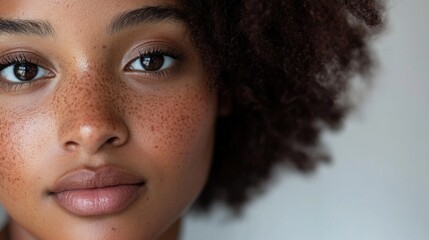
93	113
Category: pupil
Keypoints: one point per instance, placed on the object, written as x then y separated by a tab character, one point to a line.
152	62
25	71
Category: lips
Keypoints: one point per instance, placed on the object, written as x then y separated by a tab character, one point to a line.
107	190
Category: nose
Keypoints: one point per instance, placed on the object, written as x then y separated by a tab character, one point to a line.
89	119
91	134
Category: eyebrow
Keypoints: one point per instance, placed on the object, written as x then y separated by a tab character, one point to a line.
26	27
119	23
146	15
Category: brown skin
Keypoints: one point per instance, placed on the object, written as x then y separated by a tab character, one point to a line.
163	123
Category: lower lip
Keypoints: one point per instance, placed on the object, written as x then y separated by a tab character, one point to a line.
99	201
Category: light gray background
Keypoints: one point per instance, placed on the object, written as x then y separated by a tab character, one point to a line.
378	185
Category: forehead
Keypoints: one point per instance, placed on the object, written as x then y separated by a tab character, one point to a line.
78	21
90	12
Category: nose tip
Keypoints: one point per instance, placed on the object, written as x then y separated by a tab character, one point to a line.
92	138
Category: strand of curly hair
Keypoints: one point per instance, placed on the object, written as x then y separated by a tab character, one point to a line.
281	66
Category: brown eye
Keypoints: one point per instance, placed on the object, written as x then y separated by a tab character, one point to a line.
25	71
152	63
20	72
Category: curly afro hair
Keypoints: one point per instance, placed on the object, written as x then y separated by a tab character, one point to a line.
280	67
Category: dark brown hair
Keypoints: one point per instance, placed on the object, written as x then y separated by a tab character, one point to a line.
281	67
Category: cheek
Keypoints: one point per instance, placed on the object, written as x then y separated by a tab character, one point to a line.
176	132
11	162
21	144
8	155
178	123
181	123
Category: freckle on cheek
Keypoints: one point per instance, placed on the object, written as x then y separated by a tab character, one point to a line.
175	119
10	162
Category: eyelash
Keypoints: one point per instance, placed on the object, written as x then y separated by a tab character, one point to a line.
20	58
12	59
159	51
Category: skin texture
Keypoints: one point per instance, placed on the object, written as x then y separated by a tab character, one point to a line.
162	125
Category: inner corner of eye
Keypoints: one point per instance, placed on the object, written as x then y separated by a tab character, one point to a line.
130	63
134	64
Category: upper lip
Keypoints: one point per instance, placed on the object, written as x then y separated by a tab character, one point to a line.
88	179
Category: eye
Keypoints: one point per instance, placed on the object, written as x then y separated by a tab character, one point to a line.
152	63
21	72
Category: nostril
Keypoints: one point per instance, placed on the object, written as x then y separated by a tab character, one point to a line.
93	137
70	145
112	140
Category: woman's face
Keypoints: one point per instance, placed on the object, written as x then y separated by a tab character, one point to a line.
107	120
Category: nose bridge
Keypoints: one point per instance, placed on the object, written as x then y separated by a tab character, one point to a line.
87	113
